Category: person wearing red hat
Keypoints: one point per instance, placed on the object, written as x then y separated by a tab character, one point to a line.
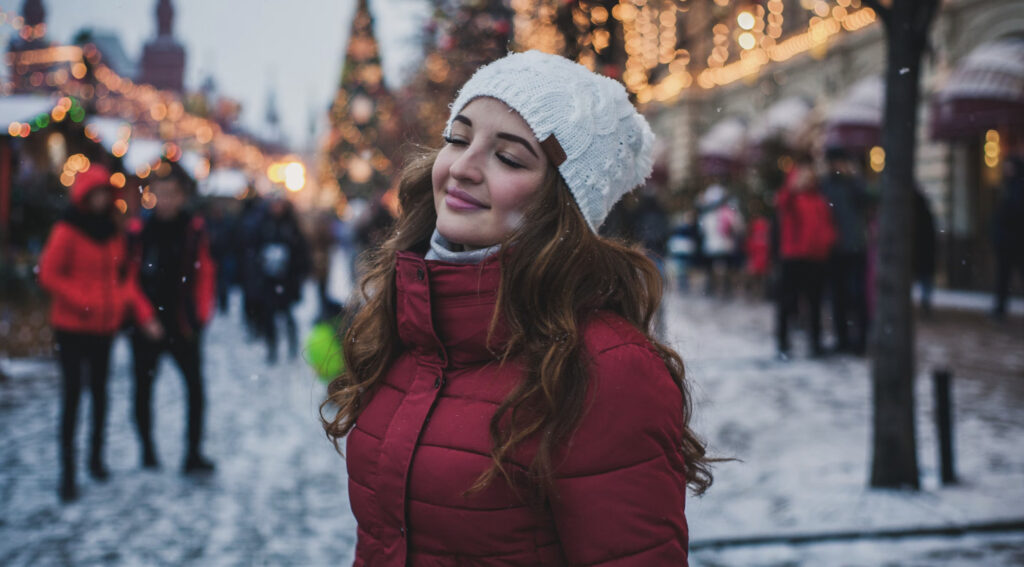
83	268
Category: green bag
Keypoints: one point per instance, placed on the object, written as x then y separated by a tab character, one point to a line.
323	351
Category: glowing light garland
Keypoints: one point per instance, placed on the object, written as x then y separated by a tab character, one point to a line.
649	39
153	112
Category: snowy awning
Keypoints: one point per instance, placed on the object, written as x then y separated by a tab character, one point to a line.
194	164
986	90
725	139
855	121
224	183
23	108
782	119
142	152
106	130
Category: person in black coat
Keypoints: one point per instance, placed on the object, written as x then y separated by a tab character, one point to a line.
923	248
171	257
284	263
1008	233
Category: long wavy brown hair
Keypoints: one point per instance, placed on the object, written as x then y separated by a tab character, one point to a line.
555	276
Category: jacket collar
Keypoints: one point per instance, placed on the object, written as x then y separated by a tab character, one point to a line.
444	310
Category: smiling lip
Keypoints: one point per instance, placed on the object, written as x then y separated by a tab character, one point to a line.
459	200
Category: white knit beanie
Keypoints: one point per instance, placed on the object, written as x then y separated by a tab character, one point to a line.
584	121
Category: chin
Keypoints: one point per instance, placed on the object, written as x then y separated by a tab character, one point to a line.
464	233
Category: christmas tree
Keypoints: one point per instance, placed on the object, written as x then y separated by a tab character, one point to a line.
364	126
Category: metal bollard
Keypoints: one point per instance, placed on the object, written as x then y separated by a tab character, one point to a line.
944	423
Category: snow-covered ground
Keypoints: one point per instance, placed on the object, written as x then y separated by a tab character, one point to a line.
800	429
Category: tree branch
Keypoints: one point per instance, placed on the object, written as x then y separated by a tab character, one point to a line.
885	14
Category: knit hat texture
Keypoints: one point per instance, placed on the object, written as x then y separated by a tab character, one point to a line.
606	142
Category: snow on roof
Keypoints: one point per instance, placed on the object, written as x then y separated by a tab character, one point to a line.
862	105
224	183
23	107
993	70
725	138
191	162
781	118
106	129
142	152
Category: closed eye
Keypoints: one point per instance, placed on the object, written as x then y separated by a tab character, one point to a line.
510	162
455	141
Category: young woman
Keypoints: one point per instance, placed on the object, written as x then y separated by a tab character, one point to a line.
504	401
83	267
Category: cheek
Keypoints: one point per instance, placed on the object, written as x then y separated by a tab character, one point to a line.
438	176
517	197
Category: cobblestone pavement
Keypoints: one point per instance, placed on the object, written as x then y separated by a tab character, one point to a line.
278	496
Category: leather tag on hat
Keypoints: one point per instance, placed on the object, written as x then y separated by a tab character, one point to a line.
553	150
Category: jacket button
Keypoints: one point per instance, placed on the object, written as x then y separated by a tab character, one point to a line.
419	274
437	383
401	530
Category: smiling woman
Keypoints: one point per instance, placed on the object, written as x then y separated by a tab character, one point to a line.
485	175
505	402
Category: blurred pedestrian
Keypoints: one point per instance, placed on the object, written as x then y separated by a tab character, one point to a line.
847	196
369	230
684	248
83	267
1008	233
501	368
250	272
171	252
758	250
284	264
806	235
222	230
321	243
721	227
923	249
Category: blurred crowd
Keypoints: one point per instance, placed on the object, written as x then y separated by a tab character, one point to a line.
808	244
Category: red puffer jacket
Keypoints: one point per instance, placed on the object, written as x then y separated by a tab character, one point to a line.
88	278
806	229
423	440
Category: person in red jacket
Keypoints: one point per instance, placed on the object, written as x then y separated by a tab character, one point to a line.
83	268
171	255
504	400
806	235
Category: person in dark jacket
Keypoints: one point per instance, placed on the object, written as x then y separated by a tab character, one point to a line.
1008	233
176	272
848	198
284	263
505	401
223	237
83	267
806	235
923	249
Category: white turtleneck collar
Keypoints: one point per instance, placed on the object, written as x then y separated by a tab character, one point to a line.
441	249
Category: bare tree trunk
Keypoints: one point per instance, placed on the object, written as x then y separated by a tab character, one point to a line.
894	462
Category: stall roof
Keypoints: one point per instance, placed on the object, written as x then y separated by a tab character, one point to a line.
855	121
725	139
23	107
107	129
986	90
782	118
142	152
224	182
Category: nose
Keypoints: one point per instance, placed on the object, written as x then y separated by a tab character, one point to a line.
467	167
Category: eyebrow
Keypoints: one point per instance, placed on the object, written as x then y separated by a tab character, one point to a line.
502	135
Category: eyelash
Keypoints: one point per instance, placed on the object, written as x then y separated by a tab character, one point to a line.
510	163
